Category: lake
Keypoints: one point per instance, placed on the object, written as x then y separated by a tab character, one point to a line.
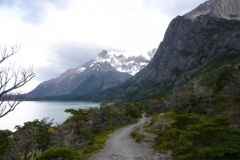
31	110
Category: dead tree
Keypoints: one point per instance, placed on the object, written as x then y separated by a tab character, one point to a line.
10	80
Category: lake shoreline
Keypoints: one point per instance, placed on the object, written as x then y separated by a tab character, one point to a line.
31	110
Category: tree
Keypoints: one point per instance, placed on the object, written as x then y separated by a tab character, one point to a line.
132	110
31	137
63	135
6	141
10	80
190	98
79	116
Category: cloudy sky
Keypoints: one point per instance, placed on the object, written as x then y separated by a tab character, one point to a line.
56	35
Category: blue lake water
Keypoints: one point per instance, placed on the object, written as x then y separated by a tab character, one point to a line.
31	110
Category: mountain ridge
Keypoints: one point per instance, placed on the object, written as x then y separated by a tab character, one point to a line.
188	47
108	69
227	9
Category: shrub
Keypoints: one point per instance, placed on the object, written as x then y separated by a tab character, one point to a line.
86	133
212	139
132	110
137	136
183	120
222	78
55	153
6	141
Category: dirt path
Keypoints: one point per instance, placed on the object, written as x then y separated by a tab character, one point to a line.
121	146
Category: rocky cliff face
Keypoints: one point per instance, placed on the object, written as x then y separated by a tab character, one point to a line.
189	45
108	69
227	9
191	42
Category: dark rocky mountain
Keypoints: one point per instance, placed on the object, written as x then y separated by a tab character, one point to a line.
107	70
196	45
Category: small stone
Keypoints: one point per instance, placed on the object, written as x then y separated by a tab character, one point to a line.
114	156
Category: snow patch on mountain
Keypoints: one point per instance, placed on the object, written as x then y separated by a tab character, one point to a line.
118	60
81	69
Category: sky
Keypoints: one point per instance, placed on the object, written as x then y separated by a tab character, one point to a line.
56	35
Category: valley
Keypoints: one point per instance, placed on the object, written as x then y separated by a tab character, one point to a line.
107	70
180	102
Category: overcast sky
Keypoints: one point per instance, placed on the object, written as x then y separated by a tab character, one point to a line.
56	35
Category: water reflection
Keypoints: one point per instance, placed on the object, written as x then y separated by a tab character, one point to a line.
30	110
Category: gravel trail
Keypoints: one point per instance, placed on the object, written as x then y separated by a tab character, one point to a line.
121	146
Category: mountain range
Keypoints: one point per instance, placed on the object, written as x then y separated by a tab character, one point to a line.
108	69
196	46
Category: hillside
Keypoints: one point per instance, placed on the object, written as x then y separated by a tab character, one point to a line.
188	96
108	69
191	48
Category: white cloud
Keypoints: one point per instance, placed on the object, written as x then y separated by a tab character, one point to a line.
55	32
172	8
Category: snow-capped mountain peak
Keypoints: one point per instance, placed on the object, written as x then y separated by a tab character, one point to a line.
96	75
129	64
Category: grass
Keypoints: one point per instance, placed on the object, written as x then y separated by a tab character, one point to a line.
149	130
137	136
99	143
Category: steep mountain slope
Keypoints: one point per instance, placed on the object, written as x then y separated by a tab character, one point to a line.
107	70
207	36
227	9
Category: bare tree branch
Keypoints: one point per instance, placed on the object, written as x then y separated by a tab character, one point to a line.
4	54
10	80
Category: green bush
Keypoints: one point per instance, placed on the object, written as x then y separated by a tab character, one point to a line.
168	139
212	139
137	136
222	78
132	110
86	133
55	153
183	120
6	141
150	130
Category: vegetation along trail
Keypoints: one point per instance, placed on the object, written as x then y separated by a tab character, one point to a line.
121	146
